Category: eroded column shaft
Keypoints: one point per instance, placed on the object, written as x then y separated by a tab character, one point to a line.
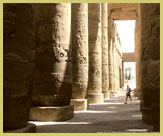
95	94
105	69
18	58
150	63
80	55
53	75
137	57
110	54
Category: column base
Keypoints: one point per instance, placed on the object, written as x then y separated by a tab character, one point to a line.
106	94
30	128
112	93
95	98
62	113
79	104
147	114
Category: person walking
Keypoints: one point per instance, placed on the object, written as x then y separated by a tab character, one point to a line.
128	94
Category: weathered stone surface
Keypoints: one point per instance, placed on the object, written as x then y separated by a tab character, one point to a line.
122	11
53	75
61	113
105	66
80	50
150	62
79	104
80	55
116	61
18	57
95	64
95	97
110	60
137	91
123	15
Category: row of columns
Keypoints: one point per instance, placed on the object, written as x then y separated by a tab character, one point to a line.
73	59
115	58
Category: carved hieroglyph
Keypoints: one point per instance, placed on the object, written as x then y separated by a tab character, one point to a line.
95	58
53	81
80	50
18	57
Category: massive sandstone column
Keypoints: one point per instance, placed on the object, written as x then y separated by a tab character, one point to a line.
53	75
110	54
95	94
137	57
18	66
113	59
80	55
150	63
105	66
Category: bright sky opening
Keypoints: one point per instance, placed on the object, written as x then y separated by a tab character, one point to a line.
126	30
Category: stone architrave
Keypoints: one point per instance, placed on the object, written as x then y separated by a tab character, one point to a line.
95	94
18	66
80	55
53	74
105	66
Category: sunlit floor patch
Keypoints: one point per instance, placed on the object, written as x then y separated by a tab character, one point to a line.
93	111
136	115
107	103
37	123
137	130
112	107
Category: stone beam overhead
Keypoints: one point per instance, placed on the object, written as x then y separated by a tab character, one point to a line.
122	11
120	15
128	57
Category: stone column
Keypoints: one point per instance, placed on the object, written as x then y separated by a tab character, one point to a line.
110	55
18	66
137	57
53	75
150	63
80	55
105	66
95	94
113	59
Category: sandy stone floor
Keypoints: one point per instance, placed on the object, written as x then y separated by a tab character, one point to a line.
111	116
